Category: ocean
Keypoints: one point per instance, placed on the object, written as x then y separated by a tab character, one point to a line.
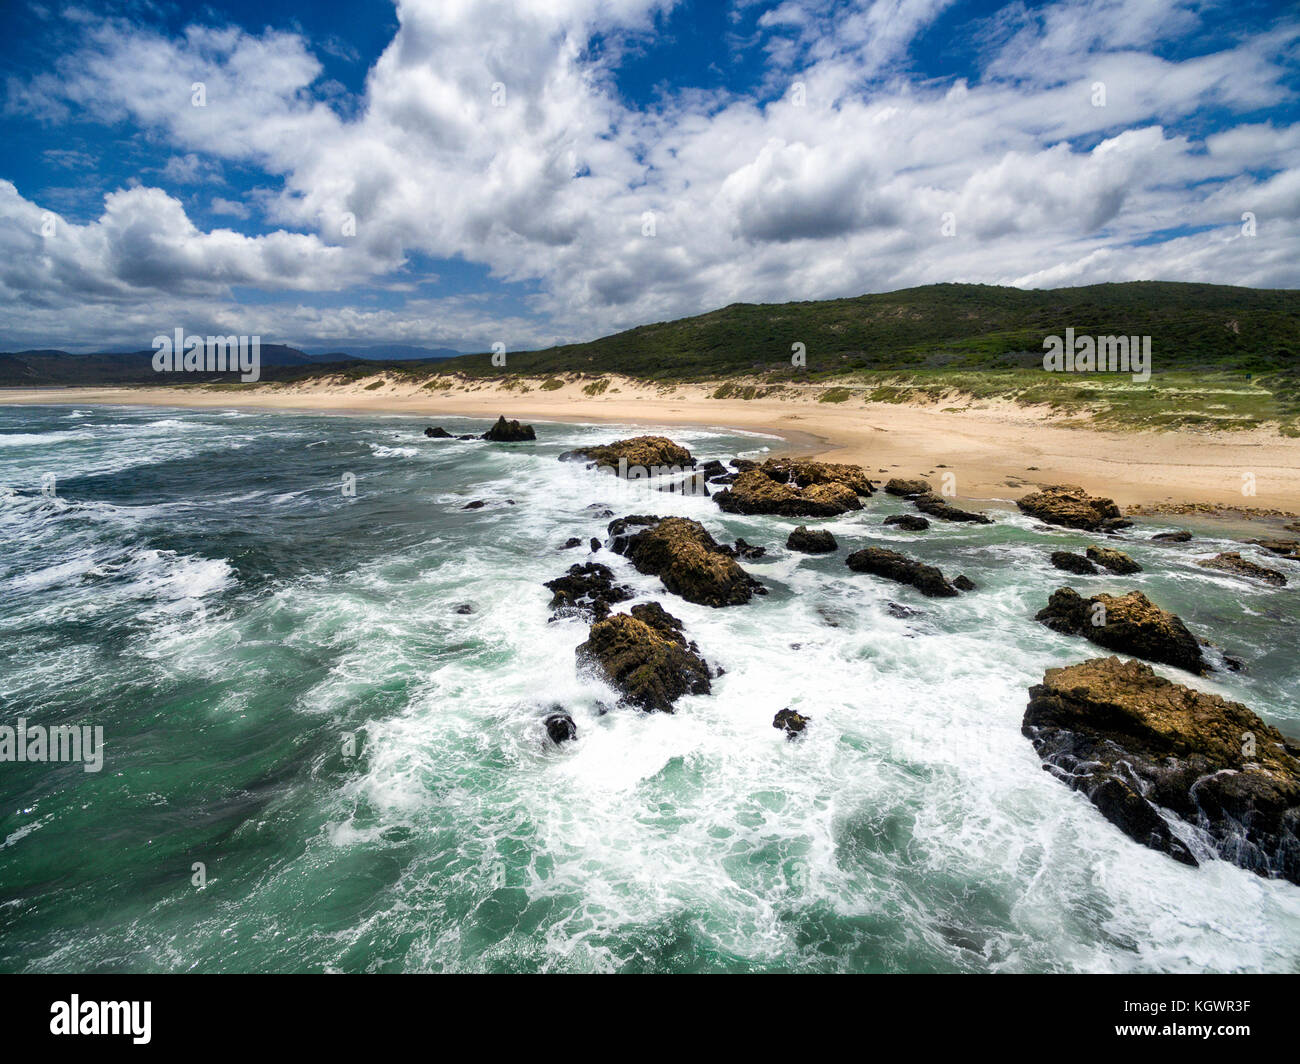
321	682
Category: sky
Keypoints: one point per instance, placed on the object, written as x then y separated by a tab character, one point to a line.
461	173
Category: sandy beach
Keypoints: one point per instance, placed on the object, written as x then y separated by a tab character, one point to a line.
994	450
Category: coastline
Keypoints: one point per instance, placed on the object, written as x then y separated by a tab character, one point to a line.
995	450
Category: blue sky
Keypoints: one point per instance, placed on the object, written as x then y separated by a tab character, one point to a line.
456	173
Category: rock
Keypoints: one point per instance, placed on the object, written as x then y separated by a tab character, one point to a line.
811	541
903	612
660	619
790	722
468	437
908	522
964	583
804	473
1232	562
594	544
713	468
1073	563
438	434
688	560
1072	507
1130	624
644	452
743	465
651	668
894	566
1116	561
1135	743
477	504
587	589
905	487
935	506
748	550
464	608
509	432
754	492
1286	548
572	542
1172	537
560	727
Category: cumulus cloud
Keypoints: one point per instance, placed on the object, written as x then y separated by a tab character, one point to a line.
494	132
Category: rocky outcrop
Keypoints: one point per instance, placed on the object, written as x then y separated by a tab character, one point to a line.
803	473
438	433
811	541
908	522
936	506
1116	561
1136	744
642	452
509	432
651	665
1232	562
905	487
1073	563
560	727
754	492
1181	536
894	566
1283	548
587	591
688	560
790	722
1128	624
1072	507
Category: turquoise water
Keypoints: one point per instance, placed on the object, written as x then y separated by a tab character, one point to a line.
200	585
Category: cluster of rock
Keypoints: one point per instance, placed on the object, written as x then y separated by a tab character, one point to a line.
1115	561
642	452
795	488
1072	507
646	657
502	432
688	560
1136	744
1126	624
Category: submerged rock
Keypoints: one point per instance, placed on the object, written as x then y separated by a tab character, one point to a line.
811	541
1128	624
790	722
1180	536
962	582
651	667
936	506
571	542
755	492
1136	743
642	452
894	566
905	487
560	727
1114	560
587	590
688	560
1073	563
1285	548
1232	562
438	433
509	432
908	522
1072	507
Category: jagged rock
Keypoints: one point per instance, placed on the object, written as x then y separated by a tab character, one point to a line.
1232	562
894	566
905	487
571	542
811	541
754	492
743	465
1135	743
804	473
650	667
560	727
1073	563
1114	560
1129	624
962	582
1286	548
642	452
1072	507
908	522
657	617
438	433
790	722
688	560
509	432
1180	536
713	468
935	506
748	550
587	590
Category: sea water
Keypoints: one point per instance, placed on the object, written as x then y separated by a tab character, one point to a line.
322	683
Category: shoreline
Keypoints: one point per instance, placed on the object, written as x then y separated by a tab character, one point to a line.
993	450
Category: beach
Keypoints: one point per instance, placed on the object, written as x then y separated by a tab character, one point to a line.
995	450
